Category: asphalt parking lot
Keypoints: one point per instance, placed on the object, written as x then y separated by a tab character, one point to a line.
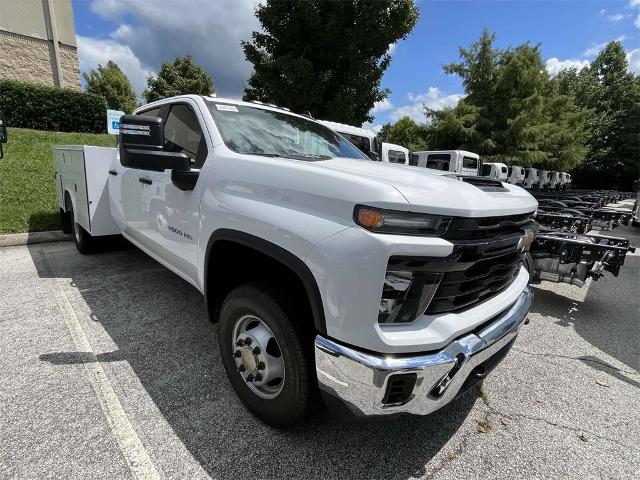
109	369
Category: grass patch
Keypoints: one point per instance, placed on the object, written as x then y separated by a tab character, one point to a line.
27	191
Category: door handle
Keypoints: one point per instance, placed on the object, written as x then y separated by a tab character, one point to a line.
146	181
113	172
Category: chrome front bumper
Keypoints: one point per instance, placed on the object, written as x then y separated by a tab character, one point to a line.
360	380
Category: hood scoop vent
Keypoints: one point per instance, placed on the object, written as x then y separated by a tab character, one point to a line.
484	184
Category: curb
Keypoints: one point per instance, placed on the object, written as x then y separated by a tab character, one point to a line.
15	239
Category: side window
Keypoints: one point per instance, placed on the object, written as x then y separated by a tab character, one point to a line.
439	161
396	156
414	159
486	170
182	133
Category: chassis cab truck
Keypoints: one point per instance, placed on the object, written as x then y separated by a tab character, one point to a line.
495	171
455	161
515	175
531	178
370	144
545	177
372	286
555	181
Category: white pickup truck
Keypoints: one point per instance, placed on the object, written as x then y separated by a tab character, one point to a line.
385	289
369	143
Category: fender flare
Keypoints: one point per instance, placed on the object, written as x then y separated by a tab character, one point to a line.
279	254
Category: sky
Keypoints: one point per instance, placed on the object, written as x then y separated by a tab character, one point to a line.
139	34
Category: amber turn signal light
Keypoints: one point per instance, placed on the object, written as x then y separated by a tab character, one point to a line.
369	218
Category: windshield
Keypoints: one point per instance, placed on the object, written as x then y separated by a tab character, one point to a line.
469	162
363	143
259	131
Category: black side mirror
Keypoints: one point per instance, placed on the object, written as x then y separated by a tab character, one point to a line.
142	145
3	133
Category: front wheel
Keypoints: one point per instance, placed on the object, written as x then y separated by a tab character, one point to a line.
264	357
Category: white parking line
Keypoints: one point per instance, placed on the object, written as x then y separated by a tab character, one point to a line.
136	456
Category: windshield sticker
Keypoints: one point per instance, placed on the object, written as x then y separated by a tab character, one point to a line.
226	108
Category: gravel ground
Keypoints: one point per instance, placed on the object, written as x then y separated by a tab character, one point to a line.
112	353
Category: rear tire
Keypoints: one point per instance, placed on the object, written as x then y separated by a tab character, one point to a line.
85	242
283	395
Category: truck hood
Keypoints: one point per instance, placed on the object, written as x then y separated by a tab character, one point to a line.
438	192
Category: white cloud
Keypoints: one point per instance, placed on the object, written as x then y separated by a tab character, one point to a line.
93	52
433	98
615	18
373	128
555	66
210	32
633	57
635	4
595	49
392	48
382	106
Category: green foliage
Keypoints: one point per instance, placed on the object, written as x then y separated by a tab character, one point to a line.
182	77
405	132
111	82
325	57
27	190
512	112
48	108
612	94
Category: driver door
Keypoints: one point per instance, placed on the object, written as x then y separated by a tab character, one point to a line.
168	229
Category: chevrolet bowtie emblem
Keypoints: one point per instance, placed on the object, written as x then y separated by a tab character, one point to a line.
526	240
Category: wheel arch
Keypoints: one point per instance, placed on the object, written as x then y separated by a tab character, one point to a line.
273	254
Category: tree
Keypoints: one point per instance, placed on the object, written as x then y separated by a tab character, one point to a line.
405	132
512	112
612	94
111	82
325	57
182	77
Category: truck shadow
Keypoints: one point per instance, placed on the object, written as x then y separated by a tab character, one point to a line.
160	328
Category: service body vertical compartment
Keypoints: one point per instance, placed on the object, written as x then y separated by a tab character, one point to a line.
83	171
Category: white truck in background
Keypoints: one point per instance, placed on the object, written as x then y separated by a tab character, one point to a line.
455	161
495	171
371	285
531	178
554	181
515	175
545	177
369	143
565	180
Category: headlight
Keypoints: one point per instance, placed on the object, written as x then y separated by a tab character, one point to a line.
403	223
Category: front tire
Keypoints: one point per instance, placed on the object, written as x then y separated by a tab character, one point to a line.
264	357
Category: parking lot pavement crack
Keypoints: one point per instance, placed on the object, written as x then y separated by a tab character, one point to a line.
580	431
449	457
